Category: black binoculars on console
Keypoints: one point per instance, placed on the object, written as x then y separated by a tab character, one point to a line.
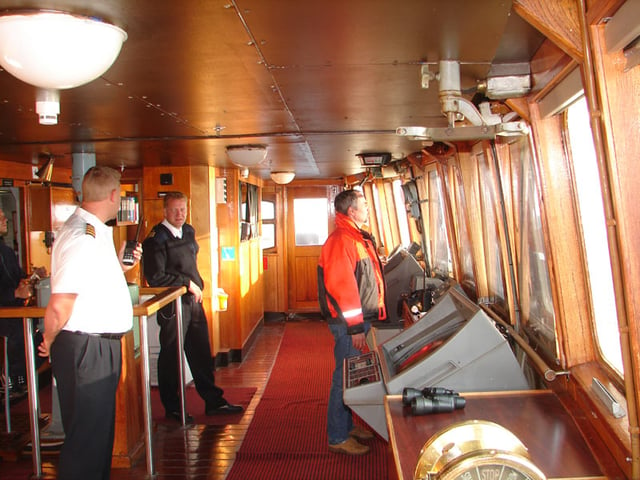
432	400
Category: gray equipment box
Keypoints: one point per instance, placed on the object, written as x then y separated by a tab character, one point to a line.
455	345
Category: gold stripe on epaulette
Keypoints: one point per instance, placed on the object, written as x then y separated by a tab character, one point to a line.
90	230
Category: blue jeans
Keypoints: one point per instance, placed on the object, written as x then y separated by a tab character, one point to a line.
339	419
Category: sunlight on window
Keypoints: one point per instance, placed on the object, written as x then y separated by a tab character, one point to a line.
594	232
268	235
268	210
311	219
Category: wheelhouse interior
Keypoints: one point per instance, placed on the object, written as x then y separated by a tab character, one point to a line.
500	137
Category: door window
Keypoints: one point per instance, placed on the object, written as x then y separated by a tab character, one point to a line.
311	217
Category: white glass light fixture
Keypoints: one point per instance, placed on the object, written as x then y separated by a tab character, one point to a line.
282	178
246	156
57	50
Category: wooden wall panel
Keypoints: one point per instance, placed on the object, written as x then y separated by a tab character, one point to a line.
229	275
201	219
568	277
240	276
128	445
275	278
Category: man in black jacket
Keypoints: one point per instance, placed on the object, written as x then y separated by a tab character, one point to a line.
169	259
14	290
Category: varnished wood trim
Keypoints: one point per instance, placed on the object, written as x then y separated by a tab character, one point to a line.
597	10
557	20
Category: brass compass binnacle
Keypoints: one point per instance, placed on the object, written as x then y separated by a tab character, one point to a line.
475	450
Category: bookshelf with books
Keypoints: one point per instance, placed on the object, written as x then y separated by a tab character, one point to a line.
129	213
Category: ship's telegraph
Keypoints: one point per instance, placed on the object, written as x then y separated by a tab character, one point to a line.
475	450
432	400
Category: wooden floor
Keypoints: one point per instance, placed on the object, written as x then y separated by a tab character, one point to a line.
195	451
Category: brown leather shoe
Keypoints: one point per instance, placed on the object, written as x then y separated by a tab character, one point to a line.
349	447
360	433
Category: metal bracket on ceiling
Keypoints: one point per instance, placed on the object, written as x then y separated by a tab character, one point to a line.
472	132
484	124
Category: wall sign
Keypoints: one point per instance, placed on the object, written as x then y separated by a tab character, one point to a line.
228	253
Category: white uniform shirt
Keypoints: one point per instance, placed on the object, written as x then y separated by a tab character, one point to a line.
84	262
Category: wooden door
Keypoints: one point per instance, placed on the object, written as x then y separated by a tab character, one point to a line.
304	245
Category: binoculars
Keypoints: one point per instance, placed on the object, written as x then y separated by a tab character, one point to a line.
432	400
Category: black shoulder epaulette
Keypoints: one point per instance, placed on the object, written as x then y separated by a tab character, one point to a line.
159	234
90	230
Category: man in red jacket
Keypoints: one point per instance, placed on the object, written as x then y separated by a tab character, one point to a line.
351	293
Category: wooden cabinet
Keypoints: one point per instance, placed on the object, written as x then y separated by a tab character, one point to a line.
49	207
128	444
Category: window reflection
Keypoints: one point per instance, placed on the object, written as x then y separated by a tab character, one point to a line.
535	285
495	277
463	238
441	252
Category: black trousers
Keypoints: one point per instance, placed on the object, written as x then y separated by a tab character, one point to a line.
87	371
197	350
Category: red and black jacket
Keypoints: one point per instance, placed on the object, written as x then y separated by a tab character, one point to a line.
351	286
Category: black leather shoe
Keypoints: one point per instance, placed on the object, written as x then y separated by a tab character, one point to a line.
223	409
177	416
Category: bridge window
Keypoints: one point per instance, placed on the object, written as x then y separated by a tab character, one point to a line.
268	214
536	300
401	212
593	225
441	253
248	211
455	190
495	277
388	214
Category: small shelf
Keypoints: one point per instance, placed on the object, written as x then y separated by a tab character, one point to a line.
129	213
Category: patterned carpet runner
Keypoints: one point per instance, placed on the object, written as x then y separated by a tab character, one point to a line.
287	438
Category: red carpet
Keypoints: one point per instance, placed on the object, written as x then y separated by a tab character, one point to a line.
195	406
287	437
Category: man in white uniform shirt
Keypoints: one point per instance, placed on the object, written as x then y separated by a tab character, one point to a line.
88	312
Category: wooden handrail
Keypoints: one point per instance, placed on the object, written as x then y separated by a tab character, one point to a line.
549	374
161	297
22	312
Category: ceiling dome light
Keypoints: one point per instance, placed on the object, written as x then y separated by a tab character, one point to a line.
282	178
57	50
246	156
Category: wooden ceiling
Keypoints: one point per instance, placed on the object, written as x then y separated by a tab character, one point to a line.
316	81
